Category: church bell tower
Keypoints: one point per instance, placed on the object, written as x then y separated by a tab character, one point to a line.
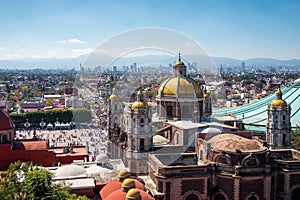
279	124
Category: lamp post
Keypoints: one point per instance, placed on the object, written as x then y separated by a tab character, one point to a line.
56	123
72	123
42	124
27	124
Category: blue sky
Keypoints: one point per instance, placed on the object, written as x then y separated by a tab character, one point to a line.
226	28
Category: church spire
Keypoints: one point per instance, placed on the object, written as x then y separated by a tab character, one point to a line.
279	94
179	69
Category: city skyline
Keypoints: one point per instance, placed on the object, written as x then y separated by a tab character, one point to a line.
67	29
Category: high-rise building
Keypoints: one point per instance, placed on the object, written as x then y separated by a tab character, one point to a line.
243	67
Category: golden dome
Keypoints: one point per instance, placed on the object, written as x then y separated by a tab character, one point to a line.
139	105
179	63
128	184
114	96
139	92
278	91
133	194
179	87
278	103
124	174
205	96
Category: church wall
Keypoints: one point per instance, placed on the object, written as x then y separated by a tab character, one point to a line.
249	186
43	157
224	184
180	187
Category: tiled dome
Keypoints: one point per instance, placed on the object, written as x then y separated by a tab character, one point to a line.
6	122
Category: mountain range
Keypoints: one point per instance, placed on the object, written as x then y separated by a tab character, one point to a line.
104	60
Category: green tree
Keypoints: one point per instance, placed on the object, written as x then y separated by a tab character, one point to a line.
296	138
50	116
38	183
10	185
25	90
60	91
23	182
17	93
49	102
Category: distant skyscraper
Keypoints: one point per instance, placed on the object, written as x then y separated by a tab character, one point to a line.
243	67
221	68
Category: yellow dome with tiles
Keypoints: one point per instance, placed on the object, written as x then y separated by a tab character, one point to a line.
124	174
205	95
133	194
128	183
180	87
139	105
114	94
179	63
278	102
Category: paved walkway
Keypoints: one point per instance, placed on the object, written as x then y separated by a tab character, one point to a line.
94	139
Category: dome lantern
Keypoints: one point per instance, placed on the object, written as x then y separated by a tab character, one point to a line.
114	94
133	194
139	104
179	69
278	102
128	184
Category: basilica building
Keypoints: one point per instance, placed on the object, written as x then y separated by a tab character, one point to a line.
189	158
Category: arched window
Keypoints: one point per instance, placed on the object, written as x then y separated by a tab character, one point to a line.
134	123
283	139
223	159
296	194
252	198
177	138
169	111
142	144
142	122
133	146
200	154
4	138
220	196
192	197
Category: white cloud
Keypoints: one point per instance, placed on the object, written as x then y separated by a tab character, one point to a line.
72	41
11	57
80	52
2	48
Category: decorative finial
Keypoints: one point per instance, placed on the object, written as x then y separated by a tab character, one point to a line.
140	95
279	93
179	58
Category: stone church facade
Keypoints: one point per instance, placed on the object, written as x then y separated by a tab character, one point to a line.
223	166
